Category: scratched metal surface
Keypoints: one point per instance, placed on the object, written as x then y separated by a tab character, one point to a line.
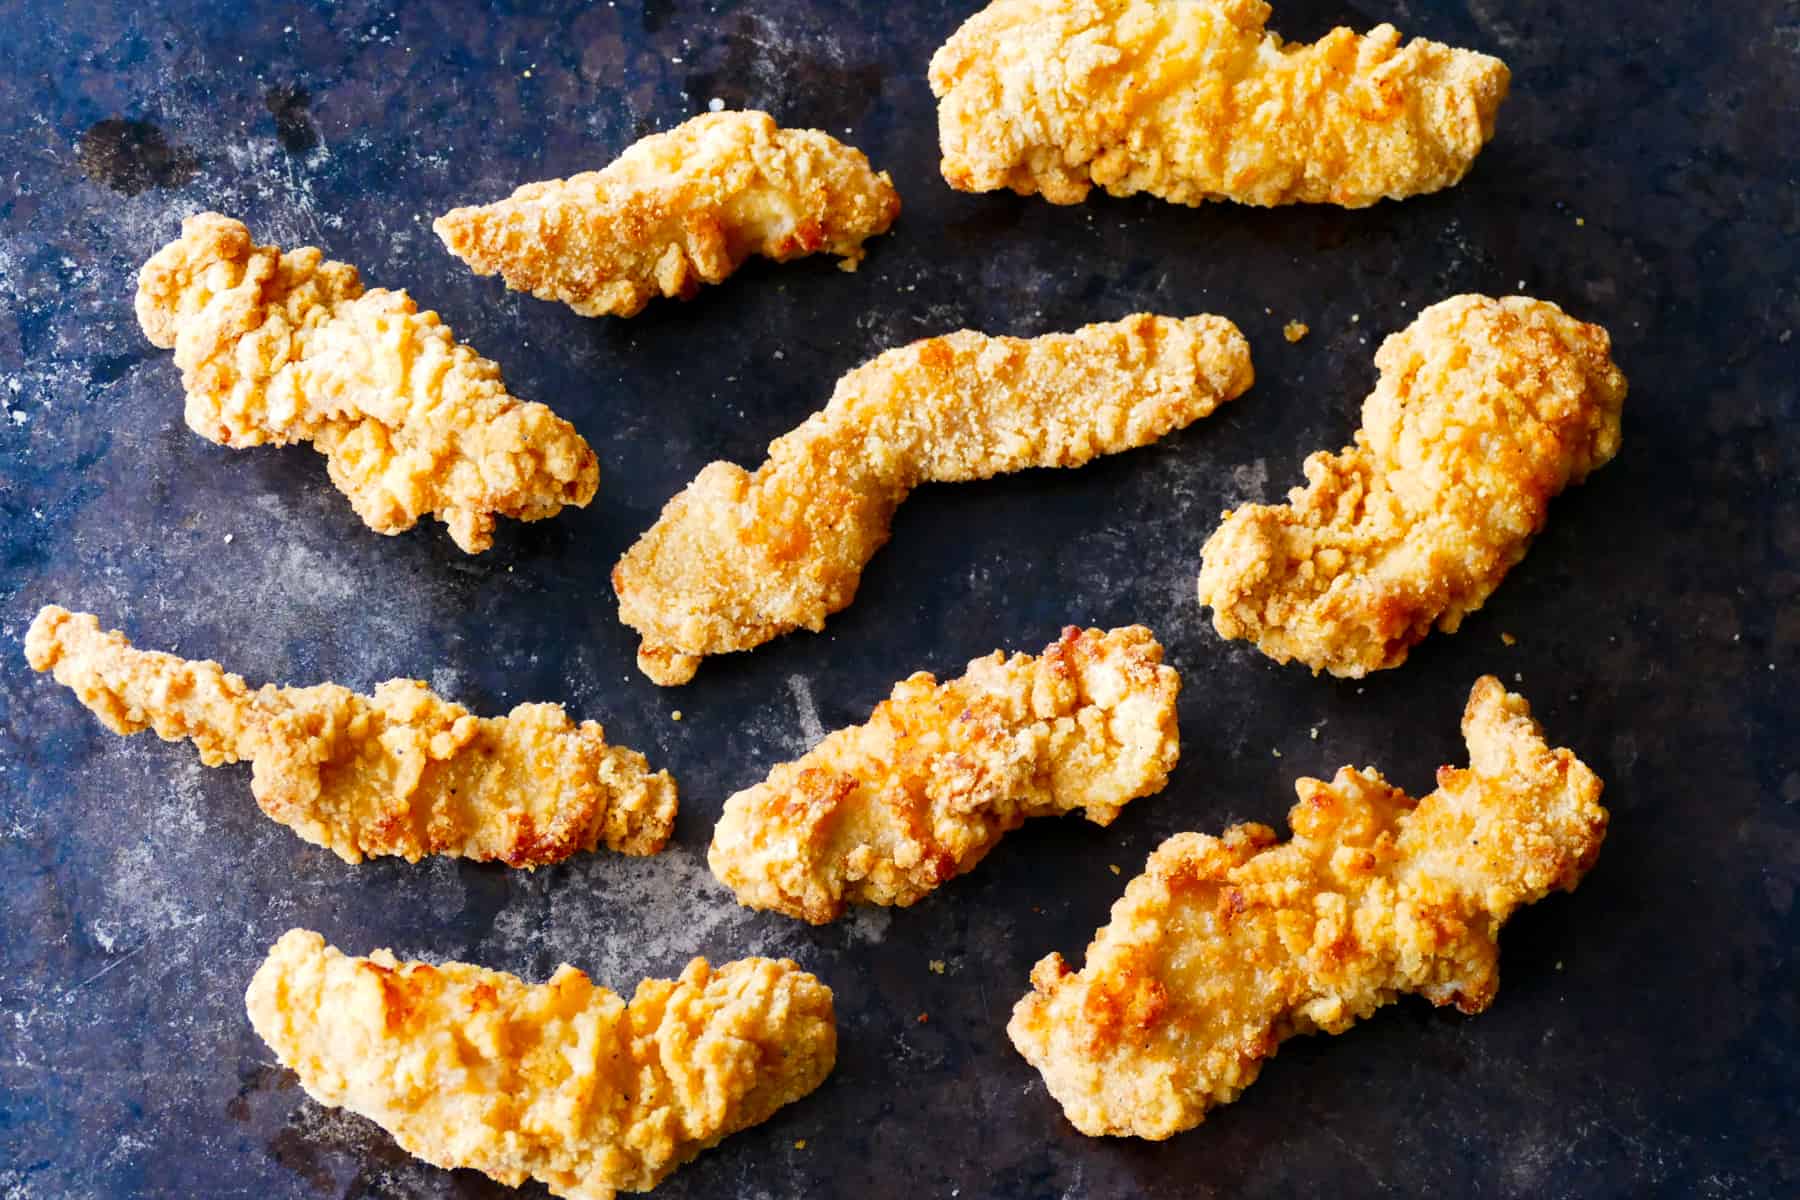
1644	1037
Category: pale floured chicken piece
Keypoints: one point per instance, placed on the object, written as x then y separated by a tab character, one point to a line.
882	813
1192	100
401	772
737	559
676	210
287	347
1225	947
1485	409
563	1082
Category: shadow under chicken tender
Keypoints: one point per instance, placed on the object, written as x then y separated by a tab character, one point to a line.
883	813
287	347
401	772
1192	100
562	1082
676	210
1224	947
1484	411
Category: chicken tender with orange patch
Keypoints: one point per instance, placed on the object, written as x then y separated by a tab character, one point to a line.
1485	409
883	813
1193	100
401	772
1225	947
281	347
676	210
737	559
563	1082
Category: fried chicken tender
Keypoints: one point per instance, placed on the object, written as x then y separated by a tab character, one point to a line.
1191	100
287	347
884	812
737	558
1485	409
401	772
676	210
1225	947
562	1082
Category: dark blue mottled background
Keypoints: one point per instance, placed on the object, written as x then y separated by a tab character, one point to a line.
1644	1041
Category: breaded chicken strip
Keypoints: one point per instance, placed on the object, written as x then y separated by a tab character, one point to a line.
884	812
286	347
676	210
1225	947
1191	100
738	558
401	772
1485	409
563	1082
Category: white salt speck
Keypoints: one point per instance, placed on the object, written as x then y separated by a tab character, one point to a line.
715	105
20	416
676	59
780	354
228	538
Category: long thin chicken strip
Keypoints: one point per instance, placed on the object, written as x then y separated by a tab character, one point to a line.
737	558
563	1082
676	210
287	347
1485	409
401	772
883	813
1192	100
1225	947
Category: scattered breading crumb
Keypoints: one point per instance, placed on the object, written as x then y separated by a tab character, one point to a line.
1315	733
937	966
924	1017
676	715
1293	331
1509	639
1276	753
1113	867
799	1143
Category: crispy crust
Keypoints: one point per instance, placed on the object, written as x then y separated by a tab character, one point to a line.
401	772
561	1082
676	210
737	559
1226	946
286	347
1485	409
884	812
1191	100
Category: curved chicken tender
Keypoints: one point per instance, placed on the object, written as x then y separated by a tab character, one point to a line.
737	558
676	210
400	772
1485	409
277	348
562	1082
1191	100
884	812
1225	947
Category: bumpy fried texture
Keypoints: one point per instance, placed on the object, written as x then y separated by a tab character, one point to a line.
884	812
676	210
738	558
562	1082
1485	409
1225	947
1191	100
286	347
401	772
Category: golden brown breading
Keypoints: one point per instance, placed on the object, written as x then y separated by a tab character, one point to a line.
884	812
676	210
400	772
285	347
562	1082
1485	409
1191	100
738	558
1226	946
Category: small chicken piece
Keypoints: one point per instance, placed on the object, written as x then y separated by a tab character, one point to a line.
737	558
676	210
1192	100
883	813
563	1082
287	347
1225	947
401	772
1485	409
